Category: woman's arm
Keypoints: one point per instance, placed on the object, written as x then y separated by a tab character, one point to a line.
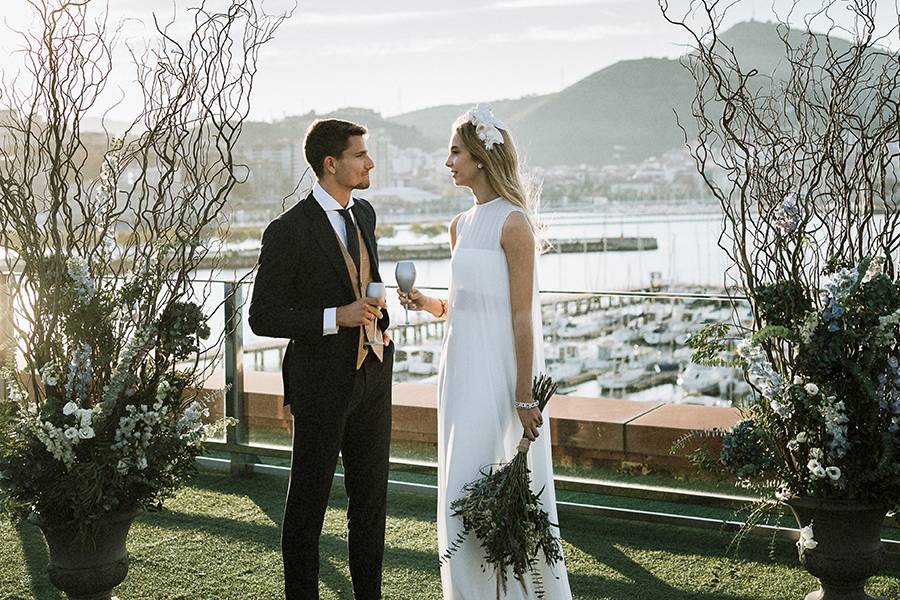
416	300
517	240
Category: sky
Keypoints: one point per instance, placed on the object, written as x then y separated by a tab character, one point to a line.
397	56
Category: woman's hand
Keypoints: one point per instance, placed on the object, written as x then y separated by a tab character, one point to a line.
414	300
531	419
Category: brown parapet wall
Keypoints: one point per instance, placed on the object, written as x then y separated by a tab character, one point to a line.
586	432
650	436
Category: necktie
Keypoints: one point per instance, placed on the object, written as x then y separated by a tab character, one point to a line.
352	236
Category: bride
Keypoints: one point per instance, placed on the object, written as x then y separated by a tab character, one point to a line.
492	348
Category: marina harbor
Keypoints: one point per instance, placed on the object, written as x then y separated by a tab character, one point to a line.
625	345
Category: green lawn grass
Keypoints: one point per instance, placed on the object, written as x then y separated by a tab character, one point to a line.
219	540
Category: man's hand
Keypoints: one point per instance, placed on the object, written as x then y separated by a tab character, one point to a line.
361	312
386	338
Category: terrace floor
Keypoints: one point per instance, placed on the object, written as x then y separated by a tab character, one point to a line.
219	540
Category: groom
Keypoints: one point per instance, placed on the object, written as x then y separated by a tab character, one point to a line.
314	265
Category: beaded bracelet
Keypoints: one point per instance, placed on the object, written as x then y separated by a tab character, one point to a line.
527	405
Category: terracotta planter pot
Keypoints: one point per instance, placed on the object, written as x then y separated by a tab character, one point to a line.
848	550
89	570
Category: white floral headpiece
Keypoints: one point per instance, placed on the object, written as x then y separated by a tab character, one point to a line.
487	126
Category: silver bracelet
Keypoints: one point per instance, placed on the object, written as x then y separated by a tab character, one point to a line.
527	405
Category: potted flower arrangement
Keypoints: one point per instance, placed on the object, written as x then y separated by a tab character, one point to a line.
110	427
101	408
804	160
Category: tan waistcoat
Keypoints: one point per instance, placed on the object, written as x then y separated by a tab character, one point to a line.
369	332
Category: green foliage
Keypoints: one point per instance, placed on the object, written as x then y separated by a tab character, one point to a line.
428	229
383	230
783	303
181	328
747	450
771	332
709	344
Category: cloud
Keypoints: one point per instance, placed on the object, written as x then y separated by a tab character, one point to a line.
526	4
584	33
304	18
319	18
577	34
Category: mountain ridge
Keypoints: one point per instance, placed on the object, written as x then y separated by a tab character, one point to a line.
624	112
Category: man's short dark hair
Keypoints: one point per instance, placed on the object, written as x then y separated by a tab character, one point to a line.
328	137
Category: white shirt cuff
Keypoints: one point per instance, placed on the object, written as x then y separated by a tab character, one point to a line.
329	322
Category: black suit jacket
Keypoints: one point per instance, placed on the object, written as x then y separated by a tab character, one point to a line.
300	273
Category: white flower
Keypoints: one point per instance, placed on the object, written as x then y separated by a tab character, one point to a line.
797	380
487	126
71	434
142	463
816	453
163	390
84	416
875	268
122	467
836	424
811	389
816	468
801	437
69	408
787	214
807	541
80	275
780	409
793	446
86	433
760	371
834	473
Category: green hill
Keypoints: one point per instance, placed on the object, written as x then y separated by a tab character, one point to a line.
294	128
622	113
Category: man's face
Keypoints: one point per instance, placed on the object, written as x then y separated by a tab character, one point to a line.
353	166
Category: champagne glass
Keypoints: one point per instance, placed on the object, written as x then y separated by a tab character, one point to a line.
376	291
405	274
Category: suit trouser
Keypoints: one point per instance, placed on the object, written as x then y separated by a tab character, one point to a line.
359	428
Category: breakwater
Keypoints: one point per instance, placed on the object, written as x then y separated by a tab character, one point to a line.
441	251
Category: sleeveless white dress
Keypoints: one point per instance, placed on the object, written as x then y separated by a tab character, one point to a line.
477	422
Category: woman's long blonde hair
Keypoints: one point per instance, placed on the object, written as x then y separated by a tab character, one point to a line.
501	166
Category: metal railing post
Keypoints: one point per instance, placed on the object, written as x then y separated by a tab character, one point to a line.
235	435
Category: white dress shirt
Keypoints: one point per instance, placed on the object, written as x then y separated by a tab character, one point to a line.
331	208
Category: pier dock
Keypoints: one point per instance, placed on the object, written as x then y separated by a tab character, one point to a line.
442	251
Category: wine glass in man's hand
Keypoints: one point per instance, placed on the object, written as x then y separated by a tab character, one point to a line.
405	273
376	291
